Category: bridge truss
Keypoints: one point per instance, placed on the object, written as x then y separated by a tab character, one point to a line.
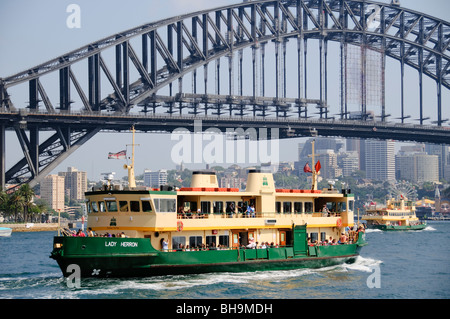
213	65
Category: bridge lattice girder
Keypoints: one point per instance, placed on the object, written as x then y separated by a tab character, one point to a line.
171	48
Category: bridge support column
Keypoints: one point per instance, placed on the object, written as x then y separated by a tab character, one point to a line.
2	157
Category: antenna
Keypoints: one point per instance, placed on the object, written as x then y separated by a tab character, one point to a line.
109	177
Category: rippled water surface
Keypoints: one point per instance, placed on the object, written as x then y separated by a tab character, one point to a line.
404	265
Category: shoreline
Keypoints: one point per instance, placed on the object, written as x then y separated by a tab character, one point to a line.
32	227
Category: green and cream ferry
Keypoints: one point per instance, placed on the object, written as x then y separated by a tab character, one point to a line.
398	214
206	228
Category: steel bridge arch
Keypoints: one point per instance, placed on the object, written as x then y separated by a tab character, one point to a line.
195	40
414	39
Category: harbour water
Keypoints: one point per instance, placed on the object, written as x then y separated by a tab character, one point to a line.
394	265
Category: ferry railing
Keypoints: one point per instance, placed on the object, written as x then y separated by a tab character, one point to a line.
255	215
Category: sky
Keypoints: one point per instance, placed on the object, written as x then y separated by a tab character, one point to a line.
32	32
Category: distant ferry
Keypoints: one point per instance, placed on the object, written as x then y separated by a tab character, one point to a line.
398	214
205	228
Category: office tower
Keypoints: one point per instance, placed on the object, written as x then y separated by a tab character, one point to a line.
155	179
75	183
380	160
52	191
328	162
349	162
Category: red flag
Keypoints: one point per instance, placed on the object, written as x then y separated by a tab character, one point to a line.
119	155
317	167
307	169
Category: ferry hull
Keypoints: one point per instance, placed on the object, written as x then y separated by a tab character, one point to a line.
95	260
397	228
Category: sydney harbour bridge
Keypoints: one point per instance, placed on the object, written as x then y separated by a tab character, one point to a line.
246	65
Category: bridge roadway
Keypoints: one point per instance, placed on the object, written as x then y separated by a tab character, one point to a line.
288	127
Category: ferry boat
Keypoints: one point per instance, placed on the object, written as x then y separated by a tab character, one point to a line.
206	228
398	214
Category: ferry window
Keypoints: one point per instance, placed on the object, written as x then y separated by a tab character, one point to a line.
331	207
94	207
224	240
230	207
323	236
177	241
111	206
218	207
134	205
350	205
195	241
278	207
287	207
308	207
298	207
314	237
101	204
242	207
205	207
210	240
146	206
165	205
190	205
123	206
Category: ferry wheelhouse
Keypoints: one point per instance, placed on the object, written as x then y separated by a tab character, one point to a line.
398	214
206	228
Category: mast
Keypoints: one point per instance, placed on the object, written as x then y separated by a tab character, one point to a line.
131	178
313	168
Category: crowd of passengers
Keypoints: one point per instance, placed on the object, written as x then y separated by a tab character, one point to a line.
91	233
230	211
350	236
213	246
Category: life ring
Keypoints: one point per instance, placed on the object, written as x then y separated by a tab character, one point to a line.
338	222
180	226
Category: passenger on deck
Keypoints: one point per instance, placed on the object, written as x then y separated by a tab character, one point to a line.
325	211
343	239
90	232
80	233
164	245
252	244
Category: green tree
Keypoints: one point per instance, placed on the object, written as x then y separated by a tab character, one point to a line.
15	204
27	194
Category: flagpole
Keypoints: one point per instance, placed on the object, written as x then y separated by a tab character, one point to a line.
131	178
314	181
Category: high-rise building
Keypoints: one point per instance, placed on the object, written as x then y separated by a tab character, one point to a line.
52	191
155	179
328	162
349	162
427	168
405	167
75	183
443	153
417	167
380	160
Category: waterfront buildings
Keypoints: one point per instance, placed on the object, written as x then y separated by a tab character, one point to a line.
155	179
52	191
380	160
417	167
75	183
54	188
